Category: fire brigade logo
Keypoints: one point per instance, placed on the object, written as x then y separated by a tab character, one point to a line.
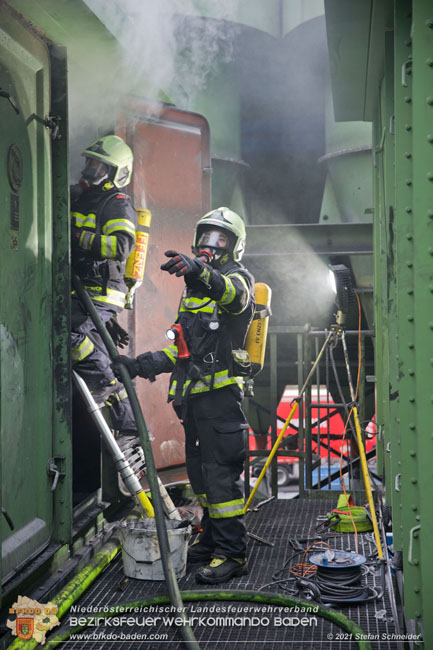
25	627
33	619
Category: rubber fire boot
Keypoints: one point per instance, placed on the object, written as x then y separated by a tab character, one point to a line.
199	552
221	570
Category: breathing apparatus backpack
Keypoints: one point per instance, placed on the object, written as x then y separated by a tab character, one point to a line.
136	262
250	360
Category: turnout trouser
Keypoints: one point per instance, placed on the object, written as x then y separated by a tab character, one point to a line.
215	430
91	361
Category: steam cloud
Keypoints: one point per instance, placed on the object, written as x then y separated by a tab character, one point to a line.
159	47
167	46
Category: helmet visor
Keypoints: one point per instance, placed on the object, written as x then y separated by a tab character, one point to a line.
214	239
94	171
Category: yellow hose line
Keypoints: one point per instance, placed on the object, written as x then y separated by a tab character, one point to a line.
367	484
271	455
145	503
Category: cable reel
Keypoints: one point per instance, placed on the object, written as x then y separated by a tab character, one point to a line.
338	578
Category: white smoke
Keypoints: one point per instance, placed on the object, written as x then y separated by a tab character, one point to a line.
159	51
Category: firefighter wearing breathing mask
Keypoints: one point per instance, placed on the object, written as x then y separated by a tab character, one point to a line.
215	311
103	224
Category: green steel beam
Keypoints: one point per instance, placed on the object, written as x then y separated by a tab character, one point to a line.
422	36
393	461
62	411
321	238
405	491
381	343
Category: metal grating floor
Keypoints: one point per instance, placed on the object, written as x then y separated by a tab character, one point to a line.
277	521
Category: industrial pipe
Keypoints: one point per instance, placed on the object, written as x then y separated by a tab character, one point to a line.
123	467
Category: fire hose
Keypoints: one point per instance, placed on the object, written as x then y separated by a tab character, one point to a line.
166	559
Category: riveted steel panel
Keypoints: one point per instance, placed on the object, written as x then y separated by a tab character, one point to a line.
420	543
26	249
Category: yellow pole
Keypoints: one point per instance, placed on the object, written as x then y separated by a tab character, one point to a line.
271	455
367	484
145	503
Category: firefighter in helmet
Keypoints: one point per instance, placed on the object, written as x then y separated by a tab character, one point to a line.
103	223
215	311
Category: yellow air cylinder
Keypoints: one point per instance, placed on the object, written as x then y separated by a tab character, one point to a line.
255	344
136	262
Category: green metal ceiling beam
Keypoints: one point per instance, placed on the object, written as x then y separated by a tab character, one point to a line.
321	239
71	24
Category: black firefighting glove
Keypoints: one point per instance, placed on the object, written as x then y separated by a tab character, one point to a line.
182	265
142	366
119	336
131	365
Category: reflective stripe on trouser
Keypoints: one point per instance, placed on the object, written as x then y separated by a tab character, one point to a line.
215	464
226	509
113	299
95	368
82	350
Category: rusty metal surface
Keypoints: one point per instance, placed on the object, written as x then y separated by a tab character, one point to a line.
171	178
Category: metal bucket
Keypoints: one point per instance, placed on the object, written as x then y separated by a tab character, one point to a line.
140	548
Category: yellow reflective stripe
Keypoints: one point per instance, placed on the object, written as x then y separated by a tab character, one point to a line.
208	309
229	293
82	351
202	500
81	220
113	297
117	225
226	509
197	304
110	300
108	246
193	304
86	239
242	279
171	352
244	282
221	379
200	387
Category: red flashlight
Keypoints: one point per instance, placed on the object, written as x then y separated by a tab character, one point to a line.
175	333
